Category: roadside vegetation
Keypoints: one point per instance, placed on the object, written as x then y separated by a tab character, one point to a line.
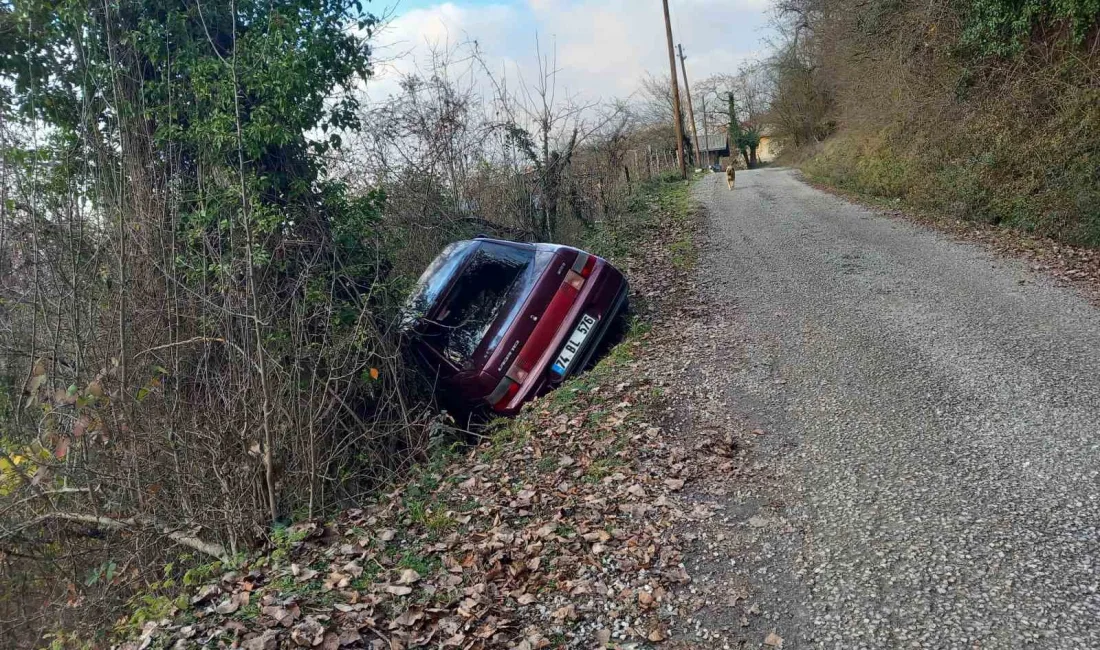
982	111
554	529
207	230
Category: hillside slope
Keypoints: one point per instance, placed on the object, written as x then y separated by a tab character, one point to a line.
985	111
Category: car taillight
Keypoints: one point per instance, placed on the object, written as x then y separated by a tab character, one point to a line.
588	266
582	268
505	391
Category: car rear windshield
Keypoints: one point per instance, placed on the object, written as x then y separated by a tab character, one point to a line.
496	278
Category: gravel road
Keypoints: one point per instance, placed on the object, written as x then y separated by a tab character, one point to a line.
934	412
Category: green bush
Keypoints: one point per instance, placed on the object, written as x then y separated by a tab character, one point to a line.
1003	27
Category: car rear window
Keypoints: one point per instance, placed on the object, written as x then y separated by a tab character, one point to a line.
495	278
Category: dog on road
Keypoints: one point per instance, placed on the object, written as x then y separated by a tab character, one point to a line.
731	175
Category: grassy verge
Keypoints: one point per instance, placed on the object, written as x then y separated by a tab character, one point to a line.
992	167
658	207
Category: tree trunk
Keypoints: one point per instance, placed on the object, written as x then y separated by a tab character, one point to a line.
745	155
752	157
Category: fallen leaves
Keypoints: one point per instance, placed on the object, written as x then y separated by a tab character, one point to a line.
302	575
408	619
266	640
527	550
233	603
566	612
280	615
205	594
308	633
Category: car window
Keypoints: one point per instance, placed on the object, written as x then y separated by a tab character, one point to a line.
492	280
433	280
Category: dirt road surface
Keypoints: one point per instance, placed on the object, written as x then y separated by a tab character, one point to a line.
928	420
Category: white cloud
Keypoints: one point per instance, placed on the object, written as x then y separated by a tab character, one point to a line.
406	42
605	46
602	47
450	23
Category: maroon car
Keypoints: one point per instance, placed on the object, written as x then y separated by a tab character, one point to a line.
502	322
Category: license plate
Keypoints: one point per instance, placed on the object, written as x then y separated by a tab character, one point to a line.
576	340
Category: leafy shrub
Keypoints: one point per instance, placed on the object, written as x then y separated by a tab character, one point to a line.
1003	27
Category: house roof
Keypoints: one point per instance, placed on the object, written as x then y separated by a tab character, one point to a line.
713	142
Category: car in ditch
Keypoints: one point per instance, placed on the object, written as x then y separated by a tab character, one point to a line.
498	323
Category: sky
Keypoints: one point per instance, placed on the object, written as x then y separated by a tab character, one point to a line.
603	47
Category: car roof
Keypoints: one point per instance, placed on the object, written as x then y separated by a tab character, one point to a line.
543	246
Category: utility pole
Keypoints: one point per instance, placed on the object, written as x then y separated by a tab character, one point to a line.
675	95
705	136
691	113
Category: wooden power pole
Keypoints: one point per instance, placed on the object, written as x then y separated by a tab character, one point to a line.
705	136
691	113
675	95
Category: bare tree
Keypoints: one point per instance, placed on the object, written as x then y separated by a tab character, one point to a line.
547	131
